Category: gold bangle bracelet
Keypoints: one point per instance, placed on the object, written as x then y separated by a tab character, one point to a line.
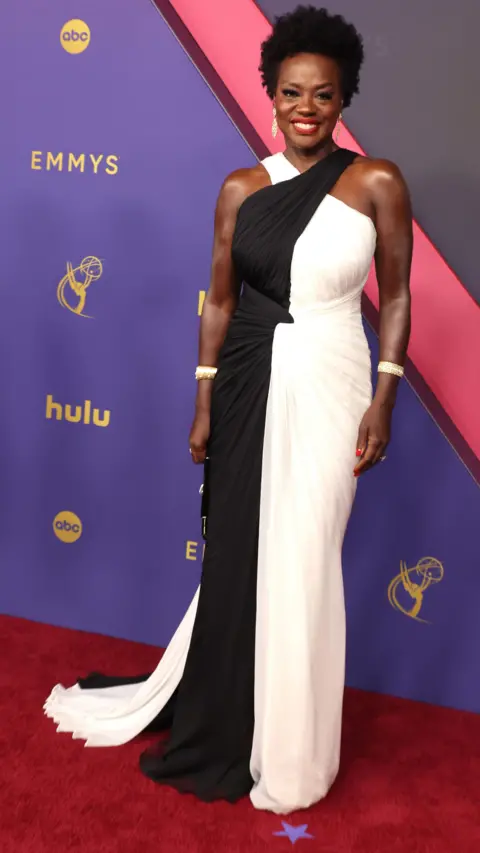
390	367
203	372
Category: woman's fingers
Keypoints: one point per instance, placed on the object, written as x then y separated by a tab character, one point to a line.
379	454
362	440
372	453
198	454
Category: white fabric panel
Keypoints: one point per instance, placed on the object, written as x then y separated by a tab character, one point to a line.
319	390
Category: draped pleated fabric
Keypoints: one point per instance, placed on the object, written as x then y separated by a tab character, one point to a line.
251	684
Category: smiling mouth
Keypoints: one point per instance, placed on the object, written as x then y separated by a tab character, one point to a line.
305	126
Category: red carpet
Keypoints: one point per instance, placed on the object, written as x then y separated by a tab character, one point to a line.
410	778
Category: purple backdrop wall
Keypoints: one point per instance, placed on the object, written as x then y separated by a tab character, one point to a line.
145	147
133	95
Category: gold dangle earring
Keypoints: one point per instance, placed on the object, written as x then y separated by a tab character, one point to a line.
337	133
274	122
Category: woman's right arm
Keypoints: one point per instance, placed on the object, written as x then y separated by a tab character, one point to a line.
220	302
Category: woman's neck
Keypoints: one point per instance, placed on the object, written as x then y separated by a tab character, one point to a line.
304	159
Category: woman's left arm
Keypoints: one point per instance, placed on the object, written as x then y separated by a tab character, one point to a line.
393	256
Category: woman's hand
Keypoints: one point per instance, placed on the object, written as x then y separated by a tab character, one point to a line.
373	436
199	435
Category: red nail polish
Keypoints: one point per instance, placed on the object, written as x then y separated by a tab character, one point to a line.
359	452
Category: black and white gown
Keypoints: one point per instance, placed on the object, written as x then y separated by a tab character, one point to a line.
251	685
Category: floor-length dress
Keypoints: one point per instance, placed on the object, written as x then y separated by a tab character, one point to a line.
251	684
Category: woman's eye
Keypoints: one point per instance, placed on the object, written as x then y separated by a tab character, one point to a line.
292	93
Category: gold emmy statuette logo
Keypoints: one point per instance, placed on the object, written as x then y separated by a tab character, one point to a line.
201	299
75	36
67	527
82	414
412	585
72	289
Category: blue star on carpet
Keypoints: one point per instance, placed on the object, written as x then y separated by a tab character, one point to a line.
294	832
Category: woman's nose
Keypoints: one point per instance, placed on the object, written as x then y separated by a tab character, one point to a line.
306	105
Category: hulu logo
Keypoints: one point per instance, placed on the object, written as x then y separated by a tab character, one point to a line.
76	414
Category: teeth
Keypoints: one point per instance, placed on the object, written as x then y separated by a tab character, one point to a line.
304	126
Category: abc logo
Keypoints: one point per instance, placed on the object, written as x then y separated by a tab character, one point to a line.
75	36
67	526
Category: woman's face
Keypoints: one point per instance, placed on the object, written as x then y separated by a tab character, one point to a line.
308	99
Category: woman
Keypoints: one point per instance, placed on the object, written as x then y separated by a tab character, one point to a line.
252	682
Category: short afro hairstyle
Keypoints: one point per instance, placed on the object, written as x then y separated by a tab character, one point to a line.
311	30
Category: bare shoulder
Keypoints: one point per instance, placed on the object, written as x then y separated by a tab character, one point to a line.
238	185
379	176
